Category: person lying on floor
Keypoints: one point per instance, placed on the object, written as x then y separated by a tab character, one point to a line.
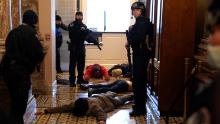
117	86
97	105
96	71
124	68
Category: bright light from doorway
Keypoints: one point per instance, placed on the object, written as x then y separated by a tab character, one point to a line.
108	15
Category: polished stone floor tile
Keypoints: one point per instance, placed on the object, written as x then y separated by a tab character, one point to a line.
46	96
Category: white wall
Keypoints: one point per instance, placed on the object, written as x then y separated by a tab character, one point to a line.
66	9
113	51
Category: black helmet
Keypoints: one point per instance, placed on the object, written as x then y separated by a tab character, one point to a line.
30	17
139	5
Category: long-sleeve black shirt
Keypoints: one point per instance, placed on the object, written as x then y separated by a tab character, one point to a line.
77	32
139	31
23	47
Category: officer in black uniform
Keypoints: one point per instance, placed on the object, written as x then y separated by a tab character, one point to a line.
59	41
139	36
23	52
78	33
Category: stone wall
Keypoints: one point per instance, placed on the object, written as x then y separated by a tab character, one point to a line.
4	18
29	4
10	16
15	13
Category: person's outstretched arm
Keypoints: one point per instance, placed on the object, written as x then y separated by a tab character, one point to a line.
61	109
64	27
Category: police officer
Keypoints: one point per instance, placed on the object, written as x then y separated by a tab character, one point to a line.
77	34
138	37
59	41
23	52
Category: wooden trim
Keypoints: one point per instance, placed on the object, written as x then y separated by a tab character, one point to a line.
178	38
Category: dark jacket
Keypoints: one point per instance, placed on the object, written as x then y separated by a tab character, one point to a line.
77	32
137	35
23	48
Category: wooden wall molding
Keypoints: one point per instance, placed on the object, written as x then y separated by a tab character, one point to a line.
177	43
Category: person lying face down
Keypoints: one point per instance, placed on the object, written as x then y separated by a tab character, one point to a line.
123	70
117	86
97	105
96	71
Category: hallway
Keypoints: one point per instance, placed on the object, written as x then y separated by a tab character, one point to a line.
177	49
60	94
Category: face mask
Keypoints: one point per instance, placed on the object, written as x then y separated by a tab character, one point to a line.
214	56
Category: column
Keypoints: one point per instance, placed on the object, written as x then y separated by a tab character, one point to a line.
47	30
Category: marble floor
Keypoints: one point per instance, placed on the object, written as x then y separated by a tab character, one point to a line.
46	96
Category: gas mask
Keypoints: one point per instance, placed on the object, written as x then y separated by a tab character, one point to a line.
214	56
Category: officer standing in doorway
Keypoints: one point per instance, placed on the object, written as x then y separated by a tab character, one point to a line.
139	36
23	52
77	34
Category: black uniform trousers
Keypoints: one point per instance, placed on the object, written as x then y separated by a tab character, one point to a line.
58	68
77	58
18	82
140	63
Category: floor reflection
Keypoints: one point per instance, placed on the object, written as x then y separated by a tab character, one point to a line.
46	96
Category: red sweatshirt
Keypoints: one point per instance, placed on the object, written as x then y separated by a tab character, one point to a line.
103	73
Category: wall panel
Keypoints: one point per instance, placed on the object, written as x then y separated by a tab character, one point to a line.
4	18
177	43
15	12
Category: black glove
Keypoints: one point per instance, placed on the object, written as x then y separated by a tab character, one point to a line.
91	39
